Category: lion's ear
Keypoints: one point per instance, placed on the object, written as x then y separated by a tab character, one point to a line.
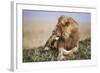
72	21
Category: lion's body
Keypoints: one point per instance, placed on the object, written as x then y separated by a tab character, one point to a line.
72	40
68	32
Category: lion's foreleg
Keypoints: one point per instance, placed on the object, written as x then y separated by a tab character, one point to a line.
60	54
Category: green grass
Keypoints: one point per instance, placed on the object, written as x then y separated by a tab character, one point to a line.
41	55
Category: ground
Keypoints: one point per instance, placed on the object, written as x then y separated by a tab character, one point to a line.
41	55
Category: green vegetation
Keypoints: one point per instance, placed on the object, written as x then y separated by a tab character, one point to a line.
40	55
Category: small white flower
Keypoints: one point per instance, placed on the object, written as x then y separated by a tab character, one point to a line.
57	38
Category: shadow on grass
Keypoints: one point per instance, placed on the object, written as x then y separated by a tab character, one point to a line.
41	55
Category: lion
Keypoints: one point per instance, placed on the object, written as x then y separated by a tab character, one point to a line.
65	37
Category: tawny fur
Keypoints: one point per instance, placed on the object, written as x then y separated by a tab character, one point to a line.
68	32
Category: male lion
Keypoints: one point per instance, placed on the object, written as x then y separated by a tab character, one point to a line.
65	36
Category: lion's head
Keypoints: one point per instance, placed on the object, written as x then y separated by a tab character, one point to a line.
66	21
